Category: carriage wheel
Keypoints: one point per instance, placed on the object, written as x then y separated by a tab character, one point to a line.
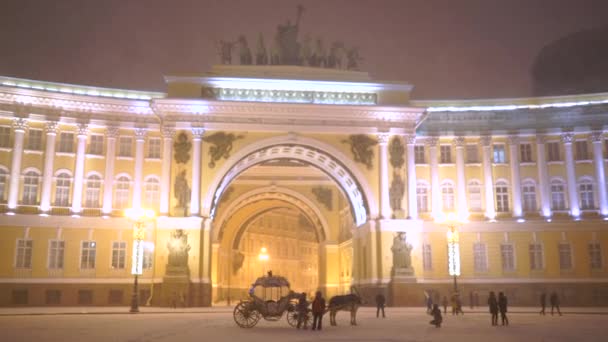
245	316
292	318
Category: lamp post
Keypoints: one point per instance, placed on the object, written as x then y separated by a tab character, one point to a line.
452	222
139	217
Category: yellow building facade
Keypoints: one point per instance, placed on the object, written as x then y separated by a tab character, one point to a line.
343	179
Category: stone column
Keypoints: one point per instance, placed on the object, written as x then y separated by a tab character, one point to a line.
515	175
165	177
600	175
410	141
47	174
486	143
543	177
197	136
111	135
435	186
79	168
140	139
575	210
385	204
19	127
463	209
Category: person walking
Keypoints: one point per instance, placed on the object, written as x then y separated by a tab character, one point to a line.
318	309
502	307
437	318
380	302
302	308
458	304
543	303
429	304
493	306
445	304
554	299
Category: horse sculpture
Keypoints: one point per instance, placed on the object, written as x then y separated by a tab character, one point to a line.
349	302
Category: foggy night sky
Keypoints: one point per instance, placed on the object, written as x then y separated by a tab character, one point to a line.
446	49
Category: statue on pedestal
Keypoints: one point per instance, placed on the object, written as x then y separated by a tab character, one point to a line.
402	260
178	249
182	191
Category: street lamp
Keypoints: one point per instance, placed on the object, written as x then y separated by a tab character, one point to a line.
139	217
263	257
452	222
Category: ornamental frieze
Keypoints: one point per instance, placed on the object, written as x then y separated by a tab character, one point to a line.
221	145
182	147
396	151
324	196
361	148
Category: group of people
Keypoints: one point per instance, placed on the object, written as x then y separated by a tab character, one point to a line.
497	305
318	309
553	299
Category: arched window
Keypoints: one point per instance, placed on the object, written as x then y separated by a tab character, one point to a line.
62	189
474	195
502	196
447	195
558	195
30	188
528	190
422	197
121	195
93	190
585	191
151	193
3	181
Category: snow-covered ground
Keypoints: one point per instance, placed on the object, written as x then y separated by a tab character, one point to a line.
216	324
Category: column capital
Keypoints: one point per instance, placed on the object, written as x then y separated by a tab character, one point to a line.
486	140
168	132
458	141
410	139
112	132
431	141
513	140
567	138
51	127
140	134
596	136
20	124
197	133
82	129
383	138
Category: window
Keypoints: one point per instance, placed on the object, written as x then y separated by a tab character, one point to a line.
419	154
508	257
85	297
422	197
585	189
474	195
427	261
30	188
34	141
56	251
502	196
529	196
472	154
558	197
96	145
121	199
525	153
565	256
553	151
3	178
536	256
479	257
19	297
447	196
62	190
499	154
125	147
23	257
148	256
5	136
595	255
154	148
152	193
53	297
446	154
93	191
119	254
115	297
581	150
66	142
87	255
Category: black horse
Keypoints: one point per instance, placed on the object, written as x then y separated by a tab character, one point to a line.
349	302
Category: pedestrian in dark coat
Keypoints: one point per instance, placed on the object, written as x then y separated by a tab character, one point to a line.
554	299
437	318
429	304
543	303
445	304
380	302
318	309
493	306
302	308
502	307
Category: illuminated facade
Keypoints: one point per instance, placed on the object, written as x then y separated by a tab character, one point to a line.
322	167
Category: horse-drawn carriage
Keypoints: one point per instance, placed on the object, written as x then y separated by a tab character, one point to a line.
269	297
